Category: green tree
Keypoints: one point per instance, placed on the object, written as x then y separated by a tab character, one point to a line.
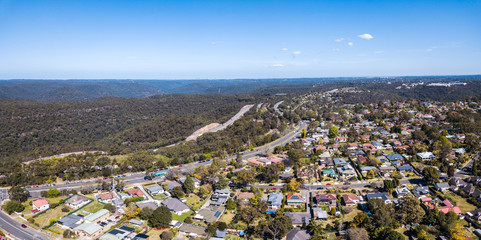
53	192
278	227
166	235
221	184
178	192
409	211
146	213
13	206
110	207
358	234
188	220
474	169
230	204
18	193
160	218
333	132
188	185
370	174
431	175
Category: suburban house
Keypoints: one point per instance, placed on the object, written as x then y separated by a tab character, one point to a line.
136	192
326	199
193	230
243	198
99	216
105	197
401	192
351	199
89	230
425	156
347	171
420	191
210	214
457	183
442	186
295	199
339	161
405	168
475	214
77	201
70	221
298	218
220	197
155	190
175	205
172	184
275	200
123	232
40	205
329	172
320	214
298	235
379	195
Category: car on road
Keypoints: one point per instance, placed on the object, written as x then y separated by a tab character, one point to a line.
320	188
24	226
274	188
271	184
328	184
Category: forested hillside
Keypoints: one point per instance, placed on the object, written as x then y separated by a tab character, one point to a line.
30	129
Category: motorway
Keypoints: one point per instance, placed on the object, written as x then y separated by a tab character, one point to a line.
14	228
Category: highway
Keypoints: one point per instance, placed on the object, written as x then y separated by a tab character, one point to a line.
14	228
136	178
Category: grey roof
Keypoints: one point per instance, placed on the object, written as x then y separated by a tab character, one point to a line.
70	221
298	235
275	199
405	167
420	190
192	228
442	185
150	205
380	195
89	228
339	161
394	157
155	189
175	205
211	215
299	217
94	216
224	191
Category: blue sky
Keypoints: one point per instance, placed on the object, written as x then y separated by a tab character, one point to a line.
237	39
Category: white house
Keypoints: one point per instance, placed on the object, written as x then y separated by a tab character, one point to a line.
40	205
426	156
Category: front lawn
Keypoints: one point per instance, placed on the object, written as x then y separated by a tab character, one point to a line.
44	219
182	217
193	201
93	207
350	216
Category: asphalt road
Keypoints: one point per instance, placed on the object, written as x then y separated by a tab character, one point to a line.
14	228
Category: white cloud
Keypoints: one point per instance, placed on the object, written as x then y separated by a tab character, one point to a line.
378	52
284	49
366	36
277	65
295	53
350	44
213	43
339	40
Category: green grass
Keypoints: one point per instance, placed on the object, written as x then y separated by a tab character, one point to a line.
93	207
402	231
350	216
193	201
43	219
227	217
182	217
462	203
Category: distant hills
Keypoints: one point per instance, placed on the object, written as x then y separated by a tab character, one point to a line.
87	90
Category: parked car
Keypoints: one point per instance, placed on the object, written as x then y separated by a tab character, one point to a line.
24	226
